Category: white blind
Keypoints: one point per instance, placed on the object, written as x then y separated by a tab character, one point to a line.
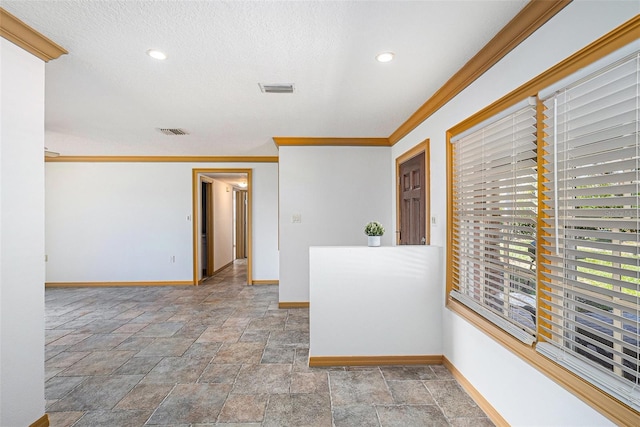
494	220
590	289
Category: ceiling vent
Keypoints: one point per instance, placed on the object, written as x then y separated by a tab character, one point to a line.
172	132
276	88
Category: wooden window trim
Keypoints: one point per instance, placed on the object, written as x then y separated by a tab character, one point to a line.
607	405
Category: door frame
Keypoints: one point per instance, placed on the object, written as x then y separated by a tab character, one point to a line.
209	220
196	174
420	148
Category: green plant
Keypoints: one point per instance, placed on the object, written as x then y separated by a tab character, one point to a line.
374	228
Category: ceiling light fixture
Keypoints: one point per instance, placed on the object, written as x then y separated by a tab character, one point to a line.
385	56
156	54
242	184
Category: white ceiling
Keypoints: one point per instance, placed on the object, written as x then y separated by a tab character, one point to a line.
107	97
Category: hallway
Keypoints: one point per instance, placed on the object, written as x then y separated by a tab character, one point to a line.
220	354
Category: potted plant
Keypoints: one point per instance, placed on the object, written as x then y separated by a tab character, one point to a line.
374	230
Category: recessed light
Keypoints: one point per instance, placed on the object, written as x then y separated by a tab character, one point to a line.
385	56
156	54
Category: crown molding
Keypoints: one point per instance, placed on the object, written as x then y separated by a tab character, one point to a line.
609	43
22	35
281	141
534	15
161	159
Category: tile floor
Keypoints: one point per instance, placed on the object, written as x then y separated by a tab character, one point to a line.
220	354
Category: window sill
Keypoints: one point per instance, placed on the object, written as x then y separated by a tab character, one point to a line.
608	406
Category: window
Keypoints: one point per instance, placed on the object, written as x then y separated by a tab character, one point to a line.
590	281
545	211
495	219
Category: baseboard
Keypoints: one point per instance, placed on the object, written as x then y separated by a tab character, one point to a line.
43	421
293	304
374	360
265	282
113	284
475	395
222	268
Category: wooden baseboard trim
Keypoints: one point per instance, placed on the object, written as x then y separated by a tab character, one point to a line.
43	421
265	282
114	284
293	304
475	395
222	268
435	359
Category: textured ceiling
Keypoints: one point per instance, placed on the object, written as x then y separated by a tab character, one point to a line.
107	97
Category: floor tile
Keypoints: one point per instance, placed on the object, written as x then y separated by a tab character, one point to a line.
243	408
261	336
58	387
176	370
163	329
471	422
309	382
219	335
167	347
455	403
64	419
97	393
51	335
263	379
411	416
242	352
358	387
294	339
392	373
113	419
190	403
65	359
100	342
269	323
355	415
203	350
70	339
138	365
410	392
145	396
278	355
222	374
130	328
298	410
98	363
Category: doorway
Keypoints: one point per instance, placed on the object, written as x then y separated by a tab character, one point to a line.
221	221
412	196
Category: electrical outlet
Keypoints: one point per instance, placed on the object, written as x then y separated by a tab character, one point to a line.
433	220
296	218
172	259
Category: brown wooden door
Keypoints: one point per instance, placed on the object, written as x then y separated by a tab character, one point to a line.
412	201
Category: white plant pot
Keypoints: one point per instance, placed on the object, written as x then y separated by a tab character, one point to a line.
374	240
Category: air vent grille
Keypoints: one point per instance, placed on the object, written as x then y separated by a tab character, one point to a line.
173	132
276	88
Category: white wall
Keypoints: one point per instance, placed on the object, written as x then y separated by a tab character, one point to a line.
398	294
509	384
336	191
222	224
110	222
22	236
